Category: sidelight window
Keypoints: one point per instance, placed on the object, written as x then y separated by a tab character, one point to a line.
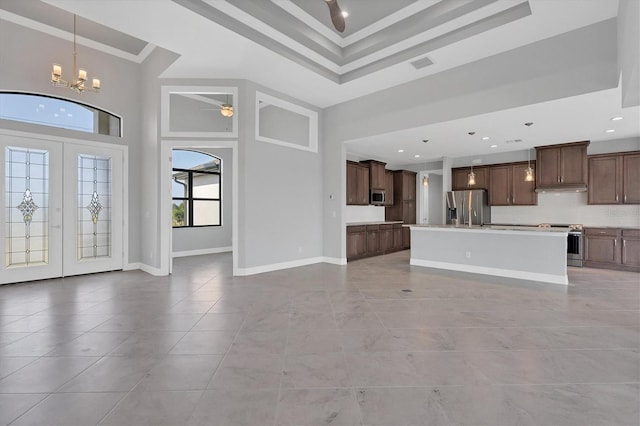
196	189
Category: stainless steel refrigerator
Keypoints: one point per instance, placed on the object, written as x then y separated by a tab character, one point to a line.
462	205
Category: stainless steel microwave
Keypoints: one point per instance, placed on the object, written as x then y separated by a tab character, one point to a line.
377	197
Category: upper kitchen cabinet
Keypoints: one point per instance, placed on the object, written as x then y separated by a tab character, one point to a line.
357	184
614	178
460	178
388	188
404	197
376	173
562	166
631	178
507	186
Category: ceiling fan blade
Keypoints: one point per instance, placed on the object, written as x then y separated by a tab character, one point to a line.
336	14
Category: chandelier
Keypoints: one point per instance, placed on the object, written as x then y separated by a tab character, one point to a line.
80	75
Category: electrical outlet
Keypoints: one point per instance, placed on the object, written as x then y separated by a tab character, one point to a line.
468	255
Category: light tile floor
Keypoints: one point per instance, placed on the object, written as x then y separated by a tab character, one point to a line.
377	342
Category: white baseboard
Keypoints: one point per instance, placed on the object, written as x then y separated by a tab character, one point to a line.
214	250
335	260
509	273
131	266
278	266
151	270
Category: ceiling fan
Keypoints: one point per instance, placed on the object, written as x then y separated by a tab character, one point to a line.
226	108
337	17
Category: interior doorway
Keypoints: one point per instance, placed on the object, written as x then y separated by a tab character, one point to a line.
209	238
431	197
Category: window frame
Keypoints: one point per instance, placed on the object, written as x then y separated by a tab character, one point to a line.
91	107
189	200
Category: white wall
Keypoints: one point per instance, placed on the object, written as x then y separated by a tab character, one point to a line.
210	239
280	197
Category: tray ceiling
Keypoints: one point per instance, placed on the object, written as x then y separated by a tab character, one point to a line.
378	34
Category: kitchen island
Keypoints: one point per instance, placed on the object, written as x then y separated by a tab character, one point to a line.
523	252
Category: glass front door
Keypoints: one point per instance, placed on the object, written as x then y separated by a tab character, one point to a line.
61	209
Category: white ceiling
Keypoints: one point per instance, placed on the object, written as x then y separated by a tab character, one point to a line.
298	53
553	121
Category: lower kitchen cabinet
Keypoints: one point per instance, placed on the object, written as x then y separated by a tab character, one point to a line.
612	248
373	240
386	237
356	241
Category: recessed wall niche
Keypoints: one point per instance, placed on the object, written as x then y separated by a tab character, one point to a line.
284	123
195	111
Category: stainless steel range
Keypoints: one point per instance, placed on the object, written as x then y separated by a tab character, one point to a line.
575	247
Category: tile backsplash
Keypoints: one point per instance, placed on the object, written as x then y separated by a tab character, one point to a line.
568	207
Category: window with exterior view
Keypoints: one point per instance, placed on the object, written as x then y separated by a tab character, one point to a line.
196	189
49	111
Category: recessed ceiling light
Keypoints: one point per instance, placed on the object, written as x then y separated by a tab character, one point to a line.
610	131
345	14
401	150
494	146
616	118
485	138
417	155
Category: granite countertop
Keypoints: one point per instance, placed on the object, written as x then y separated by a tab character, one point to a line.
388	222
496	227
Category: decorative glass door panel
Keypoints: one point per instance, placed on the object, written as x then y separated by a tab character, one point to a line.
94	230
31	202
94	207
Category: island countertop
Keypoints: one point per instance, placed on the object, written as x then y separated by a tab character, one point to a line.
483	228
382	222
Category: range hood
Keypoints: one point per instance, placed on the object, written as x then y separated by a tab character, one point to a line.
565	188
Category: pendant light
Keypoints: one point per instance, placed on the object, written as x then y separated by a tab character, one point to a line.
528	173
425	178
528	177
471	178
77	84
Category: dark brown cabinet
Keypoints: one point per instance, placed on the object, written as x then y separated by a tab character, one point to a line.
357	184
631	178
460	178
386	237
388	188
562	166
614	179
375	239
398	243
404	197
376	173
507	186
356	241
612	248
630	248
